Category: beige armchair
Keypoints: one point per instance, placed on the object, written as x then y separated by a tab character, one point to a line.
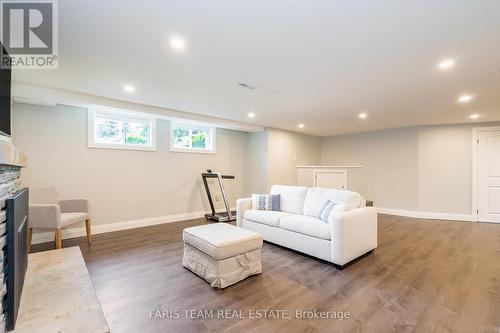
46	211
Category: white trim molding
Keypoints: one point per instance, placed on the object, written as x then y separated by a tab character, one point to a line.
429	215
29	93
329	166
48	236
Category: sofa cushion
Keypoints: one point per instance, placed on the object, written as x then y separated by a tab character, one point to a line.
222	240
291	198
317	197
306	225
268	217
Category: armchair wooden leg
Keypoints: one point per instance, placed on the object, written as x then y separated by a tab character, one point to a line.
30	237
58	239
89	231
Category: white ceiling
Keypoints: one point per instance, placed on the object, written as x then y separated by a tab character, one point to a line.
328	60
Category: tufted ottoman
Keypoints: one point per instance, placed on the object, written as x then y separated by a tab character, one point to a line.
221	253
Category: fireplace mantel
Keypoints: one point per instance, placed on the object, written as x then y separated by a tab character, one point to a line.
9	155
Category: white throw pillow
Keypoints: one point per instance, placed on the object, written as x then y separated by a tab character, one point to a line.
336	212
324	213
291	198
314	201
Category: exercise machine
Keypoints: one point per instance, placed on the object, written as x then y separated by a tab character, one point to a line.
226	216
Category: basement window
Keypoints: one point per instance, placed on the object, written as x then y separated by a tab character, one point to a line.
185	137
121	130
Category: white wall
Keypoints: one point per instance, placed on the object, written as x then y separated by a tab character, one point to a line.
121	184
426	169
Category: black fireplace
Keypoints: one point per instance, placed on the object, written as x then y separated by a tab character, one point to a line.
16	254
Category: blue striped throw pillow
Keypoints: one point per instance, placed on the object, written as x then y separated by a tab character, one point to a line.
325	211
261	202
266	202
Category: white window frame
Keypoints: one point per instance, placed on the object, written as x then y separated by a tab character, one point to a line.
211	140
123	116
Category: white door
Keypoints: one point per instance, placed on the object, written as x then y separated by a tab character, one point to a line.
488	176
331	179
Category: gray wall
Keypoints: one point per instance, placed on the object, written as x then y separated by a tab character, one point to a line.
420	169
257	161
427	169
121	184
287	150
445	168
389	160
273	157
124	185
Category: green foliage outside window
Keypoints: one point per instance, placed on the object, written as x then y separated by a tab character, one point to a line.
121	131
136	133
199	139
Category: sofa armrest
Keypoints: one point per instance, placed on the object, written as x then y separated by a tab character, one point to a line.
44	216
241	206
354	233
74	206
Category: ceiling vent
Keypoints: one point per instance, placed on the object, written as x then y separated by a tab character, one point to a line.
247	86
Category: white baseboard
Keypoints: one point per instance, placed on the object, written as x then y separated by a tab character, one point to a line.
124	225
429	215
131	224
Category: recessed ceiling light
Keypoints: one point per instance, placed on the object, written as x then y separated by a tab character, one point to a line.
129	88
300	125
474	116
465	98
446	64
363	115
177	43
251	115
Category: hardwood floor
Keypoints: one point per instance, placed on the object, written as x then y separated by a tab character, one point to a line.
425	276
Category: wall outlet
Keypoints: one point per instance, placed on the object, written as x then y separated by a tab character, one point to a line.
217	198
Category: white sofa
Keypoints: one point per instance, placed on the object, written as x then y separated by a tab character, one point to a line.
350	233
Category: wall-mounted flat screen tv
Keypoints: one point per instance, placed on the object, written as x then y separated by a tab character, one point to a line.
5	104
